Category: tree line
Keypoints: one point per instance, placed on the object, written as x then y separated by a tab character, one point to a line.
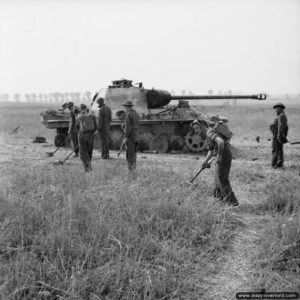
47	97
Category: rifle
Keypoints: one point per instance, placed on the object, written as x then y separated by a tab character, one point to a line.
121	148
295	143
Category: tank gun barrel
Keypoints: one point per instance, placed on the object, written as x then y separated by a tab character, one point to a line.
216	97
159	98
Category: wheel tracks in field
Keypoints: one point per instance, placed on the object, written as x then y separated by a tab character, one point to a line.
237	266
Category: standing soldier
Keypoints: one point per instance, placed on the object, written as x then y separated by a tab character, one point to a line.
87	124
131	135
279	129
104	119
219	144
73	129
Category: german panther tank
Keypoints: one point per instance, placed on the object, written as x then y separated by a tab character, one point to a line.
163	127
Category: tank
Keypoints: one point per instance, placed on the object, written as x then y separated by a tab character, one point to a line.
164	127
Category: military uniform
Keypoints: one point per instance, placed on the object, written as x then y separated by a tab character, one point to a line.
86	142
104	120
131	134
222	189
73	131
279	129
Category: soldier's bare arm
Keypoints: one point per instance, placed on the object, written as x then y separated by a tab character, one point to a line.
220	144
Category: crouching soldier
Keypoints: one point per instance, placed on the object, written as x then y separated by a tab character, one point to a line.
131	135
219	144
73	129
87	126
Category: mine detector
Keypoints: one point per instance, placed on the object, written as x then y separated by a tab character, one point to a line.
163	127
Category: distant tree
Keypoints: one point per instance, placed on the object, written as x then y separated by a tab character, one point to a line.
50	97
56	97
190	93
67	97
45	96
173	92
183	92
40	97
17	97
33	97
4	97
28	97
77	97
210	92
88	96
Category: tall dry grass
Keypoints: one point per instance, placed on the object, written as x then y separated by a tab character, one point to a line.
278	257
77	236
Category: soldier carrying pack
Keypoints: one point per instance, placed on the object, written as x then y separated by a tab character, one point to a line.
87	123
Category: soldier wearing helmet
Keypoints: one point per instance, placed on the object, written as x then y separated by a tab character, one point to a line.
131	134
73	130
104	120
279	129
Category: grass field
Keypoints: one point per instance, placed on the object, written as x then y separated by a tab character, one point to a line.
65	234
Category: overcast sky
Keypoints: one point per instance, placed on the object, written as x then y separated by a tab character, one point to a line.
75	45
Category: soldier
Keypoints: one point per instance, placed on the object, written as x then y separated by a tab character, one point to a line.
104	119
87	124
73	129
279	129
219	144
131	135
64	106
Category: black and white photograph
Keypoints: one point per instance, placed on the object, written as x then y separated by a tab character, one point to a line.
149	150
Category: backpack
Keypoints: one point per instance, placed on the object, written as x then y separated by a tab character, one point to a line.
223	130
87	123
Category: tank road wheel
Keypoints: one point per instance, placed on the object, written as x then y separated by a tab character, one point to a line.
59	140
116	138
195	142
177	142
160	143
144	140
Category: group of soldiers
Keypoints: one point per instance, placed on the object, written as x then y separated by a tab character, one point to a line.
218	144
83	126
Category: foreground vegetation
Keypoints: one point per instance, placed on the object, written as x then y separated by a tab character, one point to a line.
79	236
65	234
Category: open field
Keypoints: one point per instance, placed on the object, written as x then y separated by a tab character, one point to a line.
65	234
